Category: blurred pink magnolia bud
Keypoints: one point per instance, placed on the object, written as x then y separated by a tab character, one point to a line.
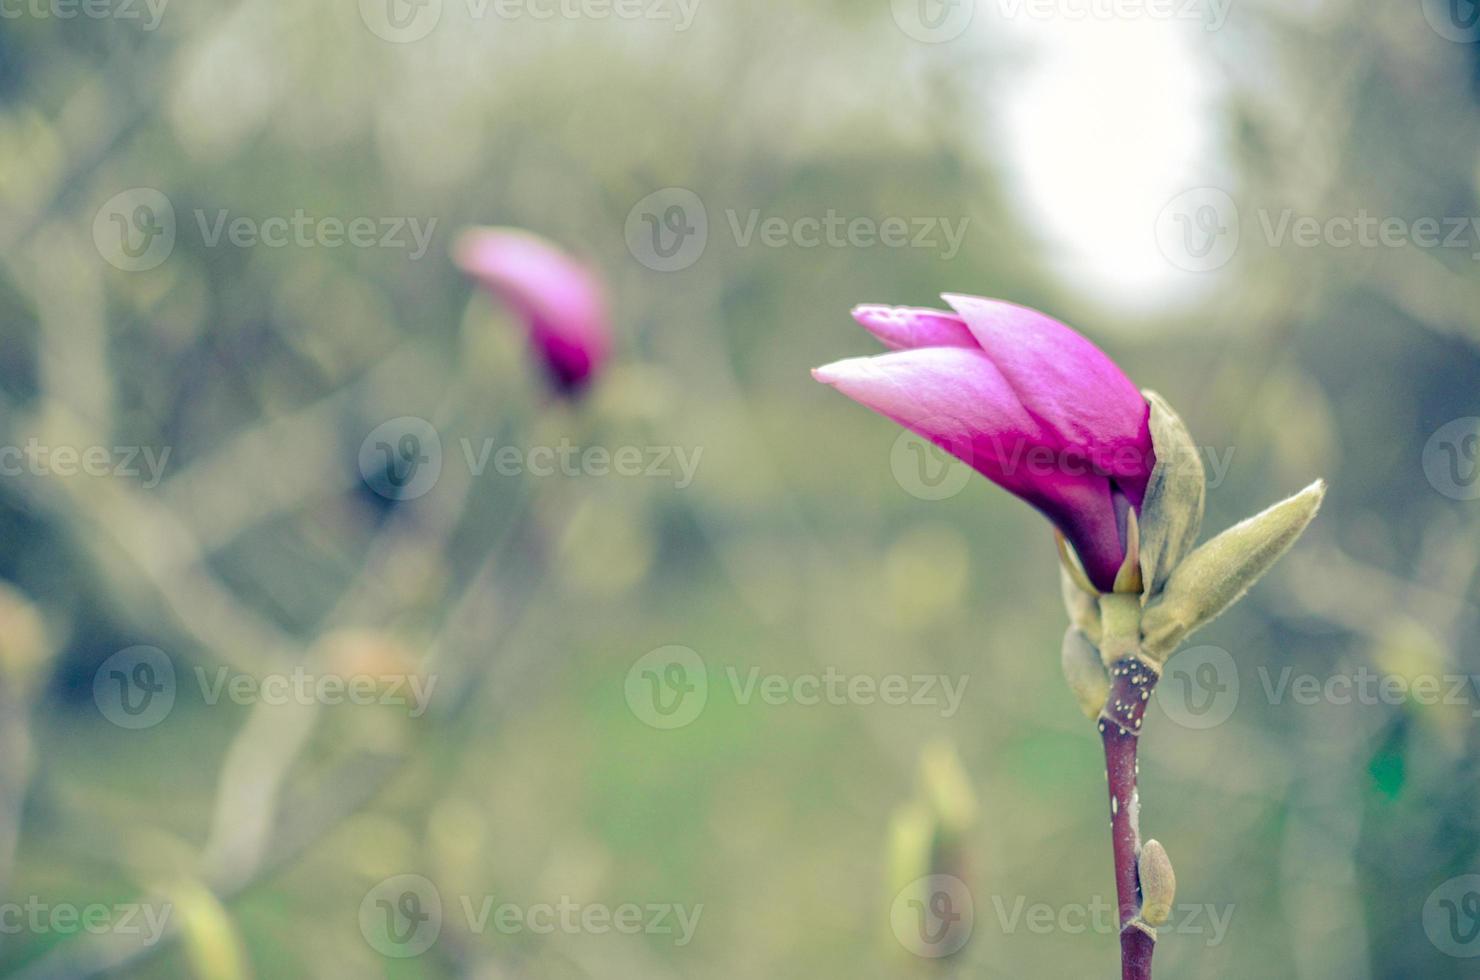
561	300
1022	399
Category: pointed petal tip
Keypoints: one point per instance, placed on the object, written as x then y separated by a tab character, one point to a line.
849	368
909	327
465	246
957	300
952	299
832	374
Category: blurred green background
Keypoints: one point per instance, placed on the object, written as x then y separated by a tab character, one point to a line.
1137	170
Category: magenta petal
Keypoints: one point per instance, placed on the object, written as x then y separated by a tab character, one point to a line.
1069	385
1083	509
957	399
904	328
1024	400
952	396
560	300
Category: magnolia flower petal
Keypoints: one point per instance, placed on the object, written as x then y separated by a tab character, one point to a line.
1083	508
957	399
953	396
1067	383
560	299
904	328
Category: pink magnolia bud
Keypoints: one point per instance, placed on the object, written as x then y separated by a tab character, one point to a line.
560	300
1022	399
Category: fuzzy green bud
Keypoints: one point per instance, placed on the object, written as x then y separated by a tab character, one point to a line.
1217	574
1082	607
1084	672
911	845
1158	883
947	788
1172	511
